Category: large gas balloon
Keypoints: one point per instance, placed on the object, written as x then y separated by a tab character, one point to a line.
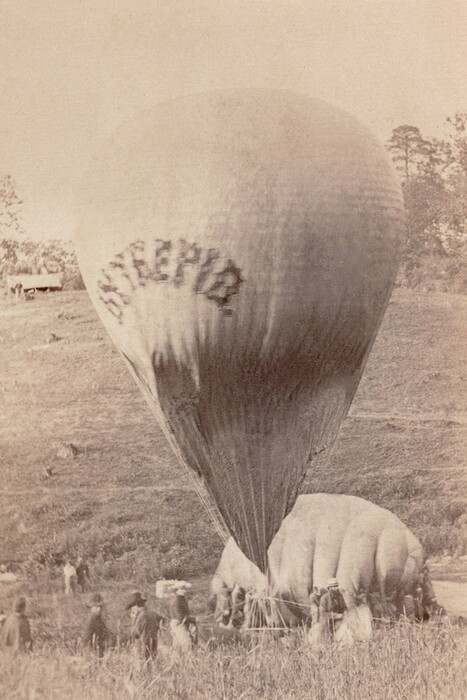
240	248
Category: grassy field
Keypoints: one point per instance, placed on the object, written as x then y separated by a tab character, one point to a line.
125	497
406	663
124	502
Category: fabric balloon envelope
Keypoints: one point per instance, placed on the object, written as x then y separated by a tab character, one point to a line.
241	247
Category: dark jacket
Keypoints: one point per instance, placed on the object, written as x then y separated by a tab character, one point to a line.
96	634
16	632
82	573
332	603
145	629
178	608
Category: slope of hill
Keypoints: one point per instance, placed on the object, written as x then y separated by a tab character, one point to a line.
125	501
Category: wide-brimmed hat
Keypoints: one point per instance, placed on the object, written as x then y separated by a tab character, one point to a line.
136	599
333	583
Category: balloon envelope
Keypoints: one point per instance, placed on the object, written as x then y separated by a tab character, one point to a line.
241	247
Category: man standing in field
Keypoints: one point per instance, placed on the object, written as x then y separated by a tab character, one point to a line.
82	574
332	606
16	633
69	574
145	626
183	626
96	634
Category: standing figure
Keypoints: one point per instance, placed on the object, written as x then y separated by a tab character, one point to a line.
183	626
145	626
18	291
315	598
82	574
69	574
223	609
428	605
332	606
16	633
238	606
96	634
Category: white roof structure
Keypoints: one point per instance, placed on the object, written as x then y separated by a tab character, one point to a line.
45	281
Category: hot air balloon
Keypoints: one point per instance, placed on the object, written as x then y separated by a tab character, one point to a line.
240	247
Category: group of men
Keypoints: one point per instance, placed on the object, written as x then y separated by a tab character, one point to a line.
76	577
328	606
145	626
422	605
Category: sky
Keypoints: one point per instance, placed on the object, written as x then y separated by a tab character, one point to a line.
71	71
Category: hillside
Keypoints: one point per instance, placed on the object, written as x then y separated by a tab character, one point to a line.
124	500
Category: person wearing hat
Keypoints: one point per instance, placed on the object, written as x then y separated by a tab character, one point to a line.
96	634
183	626
332	606
16	633
145	626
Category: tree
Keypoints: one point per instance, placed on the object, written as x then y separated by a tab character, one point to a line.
419	163
425	203
413	155
455	145
10	208
434	182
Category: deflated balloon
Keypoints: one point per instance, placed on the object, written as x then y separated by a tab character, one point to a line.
241	247
366	547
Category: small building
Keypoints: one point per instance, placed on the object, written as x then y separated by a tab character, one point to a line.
30	284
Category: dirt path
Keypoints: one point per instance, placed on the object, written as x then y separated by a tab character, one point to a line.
452	595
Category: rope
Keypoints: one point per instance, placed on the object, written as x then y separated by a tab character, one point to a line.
199	488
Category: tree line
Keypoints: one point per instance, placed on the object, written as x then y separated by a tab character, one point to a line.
433	173
19	254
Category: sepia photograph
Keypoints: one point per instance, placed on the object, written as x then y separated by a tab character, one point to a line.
233	349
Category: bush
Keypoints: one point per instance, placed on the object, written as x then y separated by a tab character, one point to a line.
33	257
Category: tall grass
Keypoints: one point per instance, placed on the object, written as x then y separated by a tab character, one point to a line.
407	662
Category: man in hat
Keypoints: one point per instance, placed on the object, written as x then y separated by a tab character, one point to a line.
183	626
332	606
96	634
16	633
145	626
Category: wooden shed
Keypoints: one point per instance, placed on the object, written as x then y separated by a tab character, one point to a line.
24	284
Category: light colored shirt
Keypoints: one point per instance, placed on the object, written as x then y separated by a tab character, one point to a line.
69	571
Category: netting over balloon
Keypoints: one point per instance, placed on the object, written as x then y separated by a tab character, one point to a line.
240	248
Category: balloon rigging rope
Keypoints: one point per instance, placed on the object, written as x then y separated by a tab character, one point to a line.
200	490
